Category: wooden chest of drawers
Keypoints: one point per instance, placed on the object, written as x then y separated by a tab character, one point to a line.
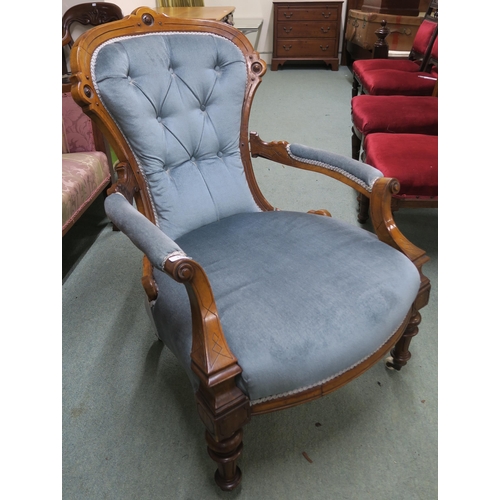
306	31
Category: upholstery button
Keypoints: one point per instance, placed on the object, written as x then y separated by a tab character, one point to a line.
219	154
203	107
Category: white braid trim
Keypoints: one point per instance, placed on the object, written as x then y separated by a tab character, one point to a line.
321	382
357	180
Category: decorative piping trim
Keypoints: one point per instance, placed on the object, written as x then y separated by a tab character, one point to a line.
321	382
357	180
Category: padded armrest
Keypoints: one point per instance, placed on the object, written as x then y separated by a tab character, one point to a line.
359	172
151	240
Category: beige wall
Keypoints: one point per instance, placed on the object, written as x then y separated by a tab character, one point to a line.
243	9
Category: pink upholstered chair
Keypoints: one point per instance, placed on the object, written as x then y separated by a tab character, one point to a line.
86	169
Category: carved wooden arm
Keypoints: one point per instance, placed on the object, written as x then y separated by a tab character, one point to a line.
351	172
222	406
212	359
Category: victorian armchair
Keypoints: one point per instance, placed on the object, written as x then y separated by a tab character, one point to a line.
265	309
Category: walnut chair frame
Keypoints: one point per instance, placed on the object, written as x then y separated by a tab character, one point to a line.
222	405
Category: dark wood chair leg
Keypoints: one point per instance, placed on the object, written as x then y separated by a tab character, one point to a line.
224	413
355	145
355	86
363	208
226	453
400	353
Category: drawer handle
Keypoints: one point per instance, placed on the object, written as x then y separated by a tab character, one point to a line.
287	30
287	47
288	15
325	30
326	15
324	48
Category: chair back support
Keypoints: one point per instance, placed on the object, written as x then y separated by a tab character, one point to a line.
93	14
189	114
423	38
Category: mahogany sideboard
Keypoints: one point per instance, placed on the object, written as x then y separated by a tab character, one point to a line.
306	31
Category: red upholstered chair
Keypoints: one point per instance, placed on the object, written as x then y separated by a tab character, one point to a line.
410	158
392	114
382	76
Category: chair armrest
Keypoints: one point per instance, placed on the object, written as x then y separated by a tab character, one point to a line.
361	173
356	174
150	239
212	360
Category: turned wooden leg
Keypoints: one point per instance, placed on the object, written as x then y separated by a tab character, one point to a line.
400	354
225	453
224	418
363	208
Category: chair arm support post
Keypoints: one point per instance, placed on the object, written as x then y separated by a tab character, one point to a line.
212	360
222	406
387	231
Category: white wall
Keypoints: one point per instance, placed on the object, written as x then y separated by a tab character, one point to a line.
243	9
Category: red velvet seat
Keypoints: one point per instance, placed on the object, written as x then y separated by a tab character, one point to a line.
392	82
423	39
410	158
401	77
392	114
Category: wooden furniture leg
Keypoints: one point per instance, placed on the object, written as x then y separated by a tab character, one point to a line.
355	144
400	353
225	453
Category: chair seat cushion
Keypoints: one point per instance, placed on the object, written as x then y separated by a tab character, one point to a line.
361	66
395	114
393	82
84	176
410	158
301	298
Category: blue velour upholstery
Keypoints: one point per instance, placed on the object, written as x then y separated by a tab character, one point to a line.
295	313
301	298
179	106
